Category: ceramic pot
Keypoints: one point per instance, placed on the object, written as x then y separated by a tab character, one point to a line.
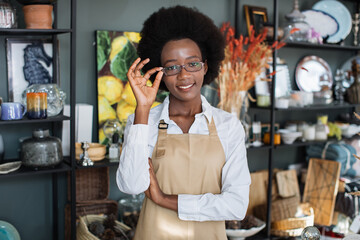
41	151
38	16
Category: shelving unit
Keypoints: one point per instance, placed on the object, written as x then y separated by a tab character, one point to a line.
272	111
68	165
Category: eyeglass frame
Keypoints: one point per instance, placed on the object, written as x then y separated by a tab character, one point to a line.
183	67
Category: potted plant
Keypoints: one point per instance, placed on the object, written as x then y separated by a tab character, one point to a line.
37	13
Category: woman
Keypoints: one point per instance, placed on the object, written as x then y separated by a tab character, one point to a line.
188	157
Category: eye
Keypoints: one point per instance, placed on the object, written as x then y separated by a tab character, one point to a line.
171	68
194	64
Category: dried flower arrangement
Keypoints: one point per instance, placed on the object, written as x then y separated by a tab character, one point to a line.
245	59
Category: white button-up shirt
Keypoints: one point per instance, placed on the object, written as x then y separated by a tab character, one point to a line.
133	177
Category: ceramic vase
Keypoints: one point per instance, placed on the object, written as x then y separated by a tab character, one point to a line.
38	16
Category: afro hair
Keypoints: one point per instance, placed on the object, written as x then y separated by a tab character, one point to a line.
177	23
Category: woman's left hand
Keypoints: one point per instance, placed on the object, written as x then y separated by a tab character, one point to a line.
154	192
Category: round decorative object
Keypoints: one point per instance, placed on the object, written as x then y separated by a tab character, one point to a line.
41	151
313	74
322	22
296	19
111	126
8	231
310	233
341	14
55	97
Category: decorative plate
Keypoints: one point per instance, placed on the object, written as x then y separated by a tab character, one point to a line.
8	231
322	22
312	73
341	14
9	167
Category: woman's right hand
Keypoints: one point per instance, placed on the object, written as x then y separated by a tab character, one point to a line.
145	95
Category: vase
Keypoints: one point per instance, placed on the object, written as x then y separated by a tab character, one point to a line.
241	112
38	16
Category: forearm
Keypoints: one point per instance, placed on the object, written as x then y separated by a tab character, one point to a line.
169	202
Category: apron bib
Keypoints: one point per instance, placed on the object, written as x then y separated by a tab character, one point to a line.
183	164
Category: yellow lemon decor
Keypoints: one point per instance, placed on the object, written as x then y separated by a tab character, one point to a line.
155	104
105	110
117	45
128	95
111	88
124	110
133	36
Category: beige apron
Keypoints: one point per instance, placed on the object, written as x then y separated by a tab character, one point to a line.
183	164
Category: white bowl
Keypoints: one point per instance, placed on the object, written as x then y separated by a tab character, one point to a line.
282	103
239	234
289	137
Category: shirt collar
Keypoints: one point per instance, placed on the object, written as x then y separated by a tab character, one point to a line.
206	109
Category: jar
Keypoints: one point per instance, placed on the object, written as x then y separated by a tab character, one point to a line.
320	131
309	133
41	151
129	209
296	19
55	97
277	138
7	15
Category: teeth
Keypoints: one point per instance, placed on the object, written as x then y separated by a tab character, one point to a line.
186	87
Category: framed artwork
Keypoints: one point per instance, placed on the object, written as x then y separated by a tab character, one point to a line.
116	51
255	16
29	61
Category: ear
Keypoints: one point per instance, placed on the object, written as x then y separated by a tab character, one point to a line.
205	67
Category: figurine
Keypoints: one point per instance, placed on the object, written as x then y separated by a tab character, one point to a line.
85	159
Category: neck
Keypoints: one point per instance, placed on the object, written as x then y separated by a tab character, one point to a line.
181	108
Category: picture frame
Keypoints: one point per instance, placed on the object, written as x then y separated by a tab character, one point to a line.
255	16
29	61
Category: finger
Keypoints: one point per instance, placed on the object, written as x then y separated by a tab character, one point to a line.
152	71
157	80
130	74
140	66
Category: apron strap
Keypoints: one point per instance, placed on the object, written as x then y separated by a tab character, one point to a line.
212	128
163	126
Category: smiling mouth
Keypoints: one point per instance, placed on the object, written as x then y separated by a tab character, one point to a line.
186	87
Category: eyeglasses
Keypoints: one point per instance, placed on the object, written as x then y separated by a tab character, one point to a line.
176	69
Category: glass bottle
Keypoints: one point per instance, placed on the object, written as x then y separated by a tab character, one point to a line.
7	15
296	19
114	149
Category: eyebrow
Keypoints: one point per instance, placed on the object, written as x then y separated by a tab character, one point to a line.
173	60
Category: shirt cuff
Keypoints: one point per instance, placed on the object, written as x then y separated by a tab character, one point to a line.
188	207
138	134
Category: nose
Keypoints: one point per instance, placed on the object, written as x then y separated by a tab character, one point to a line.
183	73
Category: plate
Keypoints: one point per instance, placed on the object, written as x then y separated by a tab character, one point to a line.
322	22
313	72
346	67
341	14
8	231
9	167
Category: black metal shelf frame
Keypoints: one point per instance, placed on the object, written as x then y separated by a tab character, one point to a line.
66	166
272	108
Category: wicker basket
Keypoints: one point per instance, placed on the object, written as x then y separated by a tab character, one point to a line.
83	233
287	233
300	222
105	207
91	184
